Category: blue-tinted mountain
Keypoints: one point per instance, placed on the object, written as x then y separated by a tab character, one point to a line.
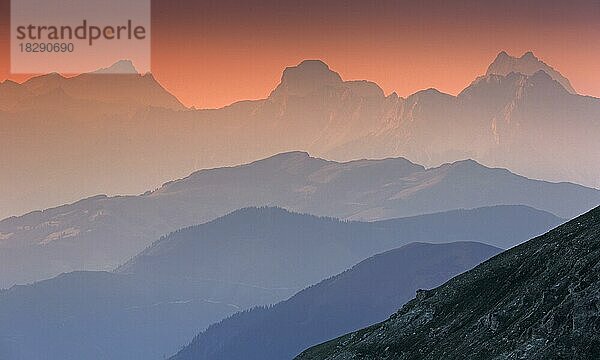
158	301
100	233
365	294
101	315
536	301
273	248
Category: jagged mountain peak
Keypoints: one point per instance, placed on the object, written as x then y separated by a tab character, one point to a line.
529	56
121	84
120	67
527	64
513	85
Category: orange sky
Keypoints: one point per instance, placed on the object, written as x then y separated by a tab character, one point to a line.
212	53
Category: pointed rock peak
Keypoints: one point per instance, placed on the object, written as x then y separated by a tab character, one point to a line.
502	55
306	78
529	56
528	64
120	67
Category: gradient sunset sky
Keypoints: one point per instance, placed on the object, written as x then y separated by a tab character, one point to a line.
211	53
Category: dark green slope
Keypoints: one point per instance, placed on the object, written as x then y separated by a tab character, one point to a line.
539	300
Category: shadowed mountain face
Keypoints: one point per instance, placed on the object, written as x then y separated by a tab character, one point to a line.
155	303
124	134
536	301
100	233
367	293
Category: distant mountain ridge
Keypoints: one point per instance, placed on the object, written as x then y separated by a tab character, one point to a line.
101	232
536	301
119	84
124	134
367	293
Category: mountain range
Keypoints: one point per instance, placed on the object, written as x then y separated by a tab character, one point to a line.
124	134
538	300
155	303
101	232
365	294
122	88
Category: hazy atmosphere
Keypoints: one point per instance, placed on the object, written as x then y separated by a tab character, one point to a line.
308	180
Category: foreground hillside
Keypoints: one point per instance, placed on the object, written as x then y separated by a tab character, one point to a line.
367	293
536	301
102	232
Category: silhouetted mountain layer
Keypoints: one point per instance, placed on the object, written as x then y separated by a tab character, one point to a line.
536	301
100	233
515	121
273	248
123	134
194	277
117	228
103	88
367	293
68	138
